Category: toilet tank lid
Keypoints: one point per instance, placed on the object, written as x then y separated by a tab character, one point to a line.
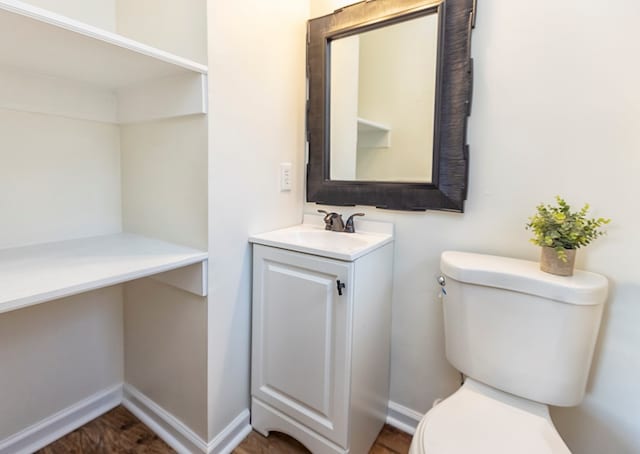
524	276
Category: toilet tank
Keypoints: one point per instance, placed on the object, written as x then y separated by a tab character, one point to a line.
518	329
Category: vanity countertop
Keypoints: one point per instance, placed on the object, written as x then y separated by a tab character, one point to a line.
310	237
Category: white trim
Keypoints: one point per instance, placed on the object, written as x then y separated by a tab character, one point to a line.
61	423
176	434
232	435
403	418
173	431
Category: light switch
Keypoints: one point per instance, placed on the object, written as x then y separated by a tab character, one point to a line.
285	176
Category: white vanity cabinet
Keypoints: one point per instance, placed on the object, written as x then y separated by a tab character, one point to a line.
320	359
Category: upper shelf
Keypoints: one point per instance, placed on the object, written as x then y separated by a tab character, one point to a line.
35	274
39	41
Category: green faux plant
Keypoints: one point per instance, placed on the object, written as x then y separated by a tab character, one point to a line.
560	228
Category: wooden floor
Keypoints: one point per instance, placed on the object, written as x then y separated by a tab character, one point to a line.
117	431
120	432
390	441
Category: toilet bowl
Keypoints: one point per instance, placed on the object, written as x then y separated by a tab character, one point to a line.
478	419
524	339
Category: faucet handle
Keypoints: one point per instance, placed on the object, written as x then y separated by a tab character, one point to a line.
349	227
329	219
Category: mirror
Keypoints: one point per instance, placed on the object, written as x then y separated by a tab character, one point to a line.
388	99
382	96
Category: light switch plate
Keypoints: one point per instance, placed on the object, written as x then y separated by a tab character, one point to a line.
285	176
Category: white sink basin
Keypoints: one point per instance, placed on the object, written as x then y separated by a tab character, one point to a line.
311	238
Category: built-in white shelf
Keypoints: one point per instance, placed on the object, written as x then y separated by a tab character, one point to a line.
371	126
36	274
372	134
35	42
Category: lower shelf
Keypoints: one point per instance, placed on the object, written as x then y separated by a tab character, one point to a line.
35	274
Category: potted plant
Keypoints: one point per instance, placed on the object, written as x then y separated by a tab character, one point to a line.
560	232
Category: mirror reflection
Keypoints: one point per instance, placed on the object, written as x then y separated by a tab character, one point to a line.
382	102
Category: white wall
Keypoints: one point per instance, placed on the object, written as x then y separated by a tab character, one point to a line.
343	124
56	354
556	111
165	349
164	179
164	185
100	13
176	26
59	178
257	90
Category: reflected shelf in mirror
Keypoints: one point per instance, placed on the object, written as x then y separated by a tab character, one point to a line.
373	135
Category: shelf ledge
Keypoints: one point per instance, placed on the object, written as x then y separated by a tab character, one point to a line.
373	135
36	274
365	125
64	67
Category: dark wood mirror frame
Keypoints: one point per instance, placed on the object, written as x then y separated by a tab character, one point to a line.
448	189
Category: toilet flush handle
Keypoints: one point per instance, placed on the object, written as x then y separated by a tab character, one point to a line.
443	282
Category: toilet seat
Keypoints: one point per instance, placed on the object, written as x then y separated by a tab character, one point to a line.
478	419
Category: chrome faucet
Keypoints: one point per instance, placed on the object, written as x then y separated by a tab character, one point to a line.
333	221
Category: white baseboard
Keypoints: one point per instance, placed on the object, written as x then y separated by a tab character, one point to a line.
232	435
176	434
173	431
59	424
403	418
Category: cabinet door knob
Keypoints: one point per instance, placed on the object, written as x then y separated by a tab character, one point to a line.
340	286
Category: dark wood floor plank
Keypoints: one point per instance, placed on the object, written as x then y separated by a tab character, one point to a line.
275	442
120	432
390	441
394	440
116	432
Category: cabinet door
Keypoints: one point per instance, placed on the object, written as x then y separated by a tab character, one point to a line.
301	338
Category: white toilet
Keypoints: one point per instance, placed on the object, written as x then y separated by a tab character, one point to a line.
524	340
